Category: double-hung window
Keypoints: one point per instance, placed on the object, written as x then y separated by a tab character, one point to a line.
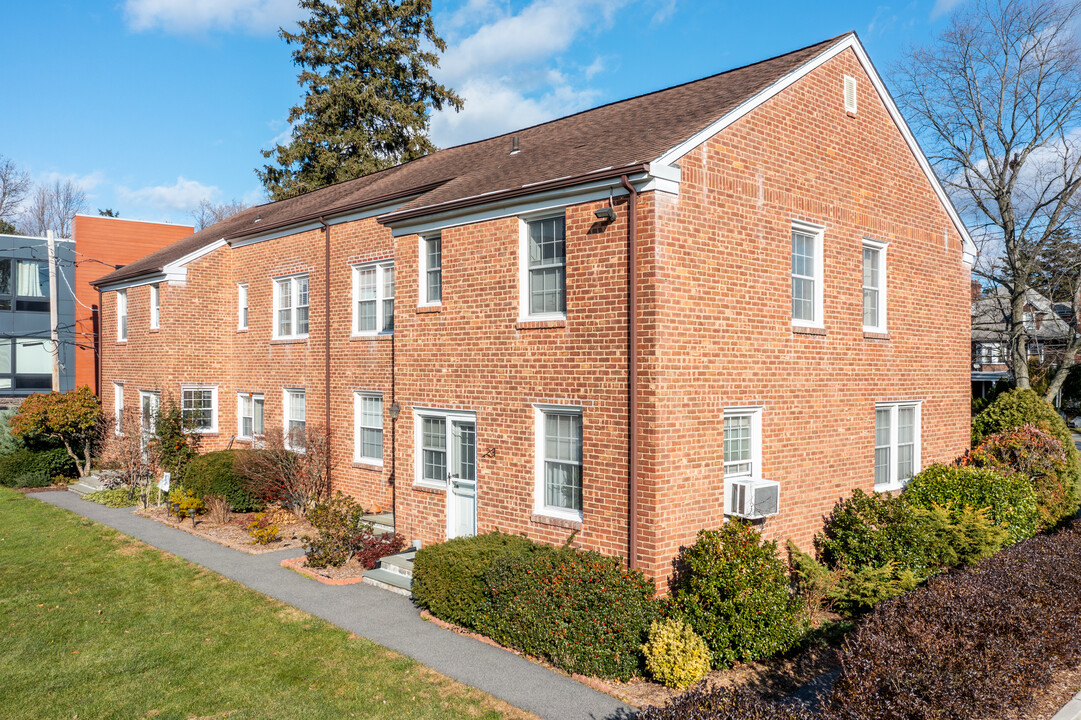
807	275
373	298
897	443
242	306
544	268
368	433
294	412
291	307
431	270
199	408
433	444
559	462
121	315
118	407
155	307
250	423
874	286
743	443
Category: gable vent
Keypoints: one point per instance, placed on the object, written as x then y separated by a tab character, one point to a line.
850	94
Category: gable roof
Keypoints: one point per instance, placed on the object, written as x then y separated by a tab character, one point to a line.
991	310
619	138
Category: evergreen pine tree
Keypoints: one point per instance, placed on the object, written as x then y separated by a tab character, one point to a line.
369	93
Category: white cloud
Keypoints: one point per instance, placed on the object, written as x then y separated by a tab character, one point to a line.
182	196
86	182
507	67
943	7
193	16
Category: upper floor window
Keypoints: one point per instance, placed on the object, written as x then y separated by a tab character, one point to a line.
543	278
199	407
990	353
874	286
294	418
291	307
431	267
155	307
806	275
121	315
31	288
897	443
242	306
373	298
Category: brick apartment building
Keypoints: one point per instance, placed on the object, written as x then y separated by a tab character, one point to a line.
800	307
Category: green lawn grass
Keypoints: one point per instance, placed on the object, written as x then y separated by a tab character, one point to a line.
98	625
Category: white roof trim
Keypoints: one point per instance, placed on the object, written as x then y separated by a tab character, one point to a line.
174	272
848	42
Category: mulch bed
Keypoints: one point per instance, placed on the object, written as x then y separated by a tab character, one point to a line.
348	574
234	534
49	488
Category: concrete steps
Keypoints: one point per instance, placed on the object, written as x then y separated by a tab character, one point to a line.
89	484
395	573
381	522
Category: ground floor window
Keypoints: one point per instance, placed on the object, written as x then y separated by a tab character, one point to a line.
250	408
199	408
368	427
897	443
294	413
559	461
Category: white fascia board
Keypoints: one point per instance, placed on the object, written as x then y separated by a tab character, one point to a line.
361	214
523	205
135	282
849	42
173	273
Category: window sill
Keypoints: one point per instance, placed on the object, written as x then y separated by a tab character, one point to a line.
850	114
540	324
896	487
433	489
808	330
154	330
370	465
425	309
121	342
290	341
378	336
242	330
872	335
555	521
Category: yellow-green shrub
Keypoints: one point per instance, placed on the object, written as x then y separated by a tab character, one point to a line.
675	654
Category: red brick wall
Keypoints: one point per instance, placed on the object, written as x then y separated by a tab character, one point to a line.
715	332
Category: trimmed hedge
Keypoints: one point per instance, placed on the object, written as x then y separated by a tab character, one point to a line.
216	473
26	468
1010	501
448	577
873	530
733	589
583	612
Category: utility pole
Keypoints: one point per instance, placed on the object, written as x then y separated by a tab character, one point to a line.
54	310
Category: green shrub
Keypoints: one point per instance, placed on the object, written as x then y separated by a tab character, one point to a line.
1010	501
448	577
732	588
8	442
813	581
120	497
675	655
960	537
215	473
581	611
872	530
338	521
262	530
1040	457
859	590
24	466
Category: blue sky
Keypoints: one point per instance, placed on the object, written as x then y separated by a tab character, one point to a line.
154	105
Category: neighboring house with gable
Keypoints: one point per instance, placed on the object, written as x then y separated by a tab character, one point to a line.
744	295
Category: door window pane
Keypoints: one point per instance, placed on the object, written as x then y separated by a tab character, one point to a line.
434	449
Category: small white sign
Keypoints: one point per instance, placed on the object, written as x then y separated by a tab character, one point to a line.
163	484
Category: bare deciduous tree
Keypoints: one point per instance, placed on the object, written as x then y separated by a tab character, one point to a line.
126	448
293	470
997	101
14	185
52	207
208	213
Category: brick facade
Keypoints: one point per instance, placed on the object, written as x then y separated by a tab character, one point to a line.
715	331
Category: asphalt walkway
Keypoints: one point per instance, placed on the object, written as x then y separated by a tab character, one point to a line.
388	619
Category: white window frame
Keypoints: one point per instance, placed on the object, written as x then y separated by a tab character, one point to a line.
754	412
894	482
358	414
851	82
118	408
381	268
286	405
424	269
213	406
155	307
524	315
883	284
242	306
240	398
449	417
293	305
817	232
121	315
540	412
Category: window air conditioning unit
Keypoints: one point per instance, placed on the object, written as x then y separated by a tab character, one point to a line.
752	499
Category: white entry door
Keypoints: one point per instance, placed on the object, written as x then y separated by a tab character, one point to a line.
462	480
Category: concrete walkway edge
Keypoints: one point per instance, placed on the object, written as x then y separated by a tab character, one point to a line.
390	620
1071	710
